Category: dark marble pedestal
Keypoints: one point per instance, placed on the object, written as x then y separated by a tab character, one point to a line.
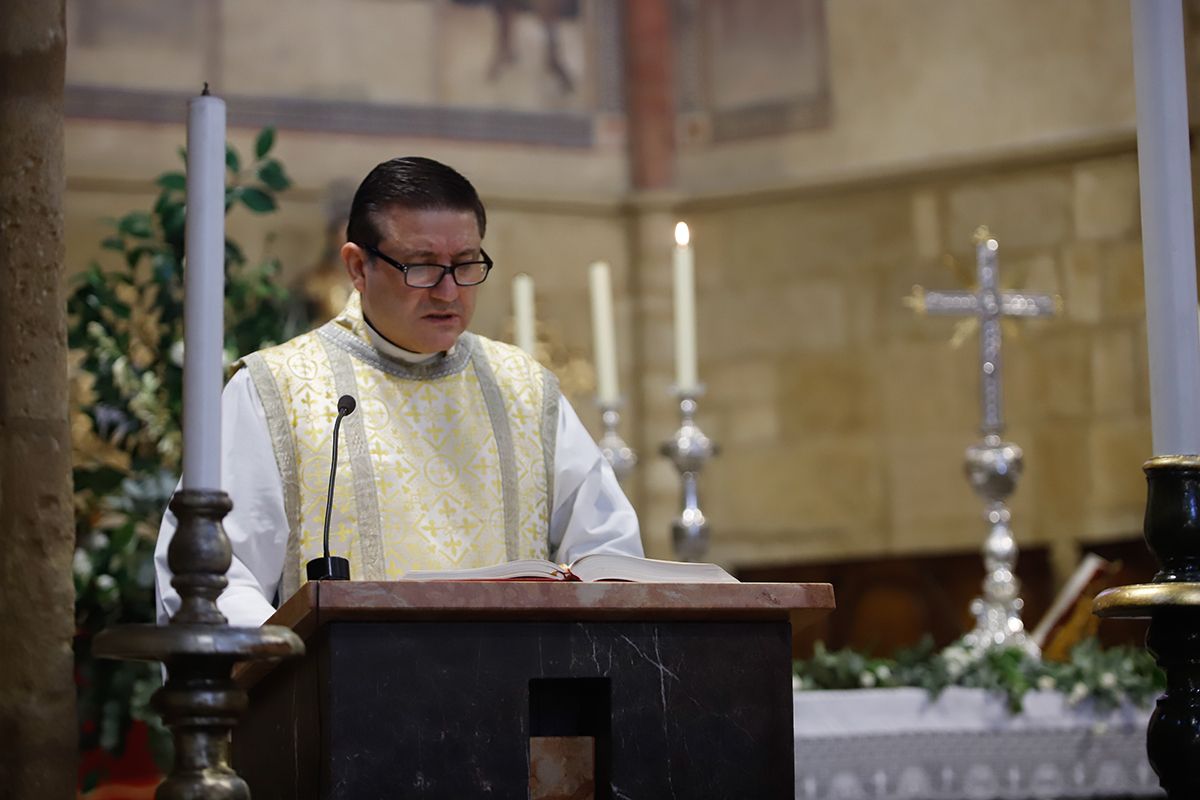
434	690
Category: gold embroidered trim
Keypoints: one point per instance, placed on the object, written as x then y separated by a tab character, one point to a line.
504	448
366	500
284	446
550	398
436	368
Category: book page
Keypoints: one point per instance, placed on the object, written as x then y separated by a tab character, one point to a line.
525	568
615	567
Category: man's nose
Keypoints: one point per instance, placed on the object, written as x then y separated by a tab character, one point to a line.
445	289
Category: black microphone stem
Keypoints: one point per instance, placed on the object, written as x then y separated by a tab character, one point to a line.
332	474
332	568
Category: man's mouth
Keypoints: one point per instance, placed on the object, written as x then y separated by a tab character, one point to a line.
441	316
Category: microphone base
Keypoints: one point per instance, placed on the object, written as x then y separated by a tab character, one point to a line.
329	568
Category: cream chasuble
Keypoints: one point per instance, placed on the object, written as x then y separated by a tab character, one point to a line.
445	463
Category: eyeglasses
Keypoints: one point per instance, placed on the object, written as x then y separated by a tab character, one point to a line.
426	276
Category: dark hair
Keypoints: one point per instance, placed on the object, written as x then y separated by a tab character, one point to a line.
412	182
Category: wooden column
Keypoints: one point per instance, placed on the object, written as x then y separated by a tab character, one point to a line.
37	537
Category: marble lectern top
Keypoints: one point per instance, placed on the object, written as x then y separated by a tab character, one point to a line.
330	601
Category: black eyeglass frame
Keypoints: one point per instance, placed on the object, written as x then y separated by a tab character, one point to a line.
486	261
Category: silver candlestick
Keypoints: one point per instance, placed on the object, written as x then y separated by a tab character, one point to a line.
688	449
993	468
619	455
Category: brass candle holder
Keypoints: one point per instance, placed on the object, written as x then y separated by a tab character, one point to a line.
1172	603
200	702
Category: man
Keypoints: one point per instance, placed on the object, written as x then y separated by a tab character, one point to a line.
461	453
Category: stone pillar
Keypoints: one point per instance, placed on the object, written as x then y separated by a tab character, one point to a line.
37	537
651	93
650	104
656	411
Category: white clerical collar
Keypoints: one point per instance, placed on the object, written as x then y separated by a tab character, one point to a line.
397	353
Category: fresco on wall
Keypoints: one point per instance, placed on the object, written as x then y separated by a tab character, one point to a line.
749	67
540	71
535	56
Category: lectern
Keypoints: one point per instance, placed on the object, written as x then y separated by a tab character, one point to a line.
431	690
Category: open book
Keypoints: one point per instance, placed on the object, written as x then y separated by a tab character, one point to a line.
1070	617
592	567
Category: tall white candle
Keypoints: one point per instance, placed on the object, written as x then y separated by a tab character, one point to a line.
603	334
1168	242
523	312
685	313
204	293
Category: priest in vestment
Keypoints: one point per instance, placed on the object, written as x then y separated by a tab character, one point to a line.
462	451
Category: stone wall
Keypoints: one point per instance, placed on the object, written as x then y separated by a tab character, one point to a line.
842	416
922	85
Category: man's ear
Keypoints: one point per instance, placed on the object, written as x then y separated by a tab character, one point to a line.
355	261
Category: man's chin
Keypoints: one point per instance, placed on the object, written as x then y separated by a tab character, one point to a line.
439	341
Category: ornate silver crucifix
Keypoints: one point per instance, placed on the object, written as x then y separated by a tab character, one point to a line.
992	466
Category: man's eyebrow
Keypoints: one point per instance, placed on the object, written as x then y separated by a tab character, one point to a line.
410	255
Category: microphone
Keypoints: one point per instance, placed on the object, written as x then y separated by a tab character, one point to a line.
332	568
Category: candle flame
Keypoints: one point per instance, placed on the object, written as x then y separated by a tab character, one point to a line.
682	236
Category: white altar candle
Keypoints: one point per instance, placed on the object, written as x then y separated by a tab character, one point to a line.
523	312
603	334
204	293
685	313
1168	243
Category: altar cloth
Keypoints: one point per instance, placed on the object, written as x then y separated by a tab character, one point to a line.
902	744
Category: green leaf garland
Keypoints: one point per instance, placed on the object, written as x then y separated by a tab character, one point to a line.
1106	678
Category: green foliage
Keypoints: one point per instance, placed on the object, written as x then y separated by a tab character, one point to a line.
125	332
1106	677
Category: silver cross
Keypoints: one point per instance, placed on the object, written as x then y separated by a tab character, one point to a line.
993	466
988	304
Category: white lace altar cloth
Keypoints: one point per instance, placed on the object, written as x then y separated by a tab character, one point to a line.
888	744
